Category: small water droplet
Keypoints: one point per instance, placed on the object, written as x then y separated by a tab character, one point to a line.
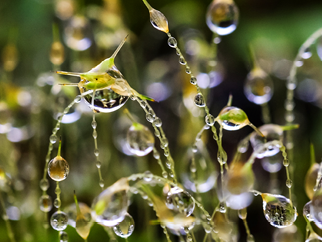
193	80
148	176
210	120
59	220
77	99
125	228
289	183
140	140
63	236
96	152
53	139
199	100
44	184
172	42
98	164
45	203
57	203
94	124
188	70
58	169
149	118
182	60
157	122
307	53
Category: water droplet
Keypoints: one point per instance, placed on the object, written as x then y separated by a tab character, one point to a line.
158	20
59	220
157	122
125	228
199	100
44	184
271	132
258	87
289	183
193	80
172	42
182	60
148	176
96	152
222	17
57	203
222	207
278	210
53	138
101	183
164	174
307	53
188	70
110	207
210	120
140	140
98	164
156	154
63	236
57	53
45	203
310	180
58	169
181	201
149	118
94	124
307	211
242	213
207	227
77	33
232	118
77	99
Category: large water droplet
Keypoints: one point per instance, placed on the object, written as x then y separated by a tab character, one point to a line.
158	20
78	33
71	212
140	140
239	179
106	100
110	207
58	169
288	234
59	220
222	17
181	201
125	228
307	211
271	132
278	210
232	118
258	87
45	203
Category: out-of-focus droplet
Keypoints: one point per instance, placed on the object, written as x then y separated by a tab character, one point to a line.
140	140
307	53
239	201
78	33
199	100
310	180
181	201
125	228
58	169
258	87
158	20
222	16
223	227
271	132
272	164
44	184
64	9
316	207
110	207
240	179
10	57
71	212
45	203
57	55
307	211
105	100
63	236
232	118
288	234
13	213
83	223
59	220
278	210
242	213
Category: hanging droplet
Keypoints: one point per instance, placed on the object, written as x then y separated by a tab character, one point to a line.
44	184
105	100
158	20
239	179
172	42
57	56
310	180
288	234
278	210
63	236
58	169
199	100
110	207
271	132
232	118
181	201
140	140
193	80
59	220
307	53
258	87
53	138
45	203
157	122
78	33
125	228
307	211
210	120
222	17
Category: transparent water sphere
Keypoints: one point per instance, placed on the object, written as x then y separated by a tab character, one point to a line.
181	201
77	34
72	213
45	203
278	210
271	132
258	87
105	100
222	16
125	228
59	220
140	140
63	236
288	234
307	211
58	169
232	118
110	207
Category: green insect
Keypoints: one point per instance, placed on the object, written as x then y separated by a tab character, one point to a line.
98	78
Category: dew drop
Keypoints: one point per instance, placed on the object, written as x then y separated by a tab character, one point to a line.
148	176
307	211
188	70
149	118
199	100
172	42
53	139
57	203
210	120
181	201
45	203
96	152
125	228
77	99
193	80
156	154
232	118
98	164
94	124
58	169
59	220
44	184
222	17
289	183
164	174
157	122
158	20
140	140
63	236
307	53
182	60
